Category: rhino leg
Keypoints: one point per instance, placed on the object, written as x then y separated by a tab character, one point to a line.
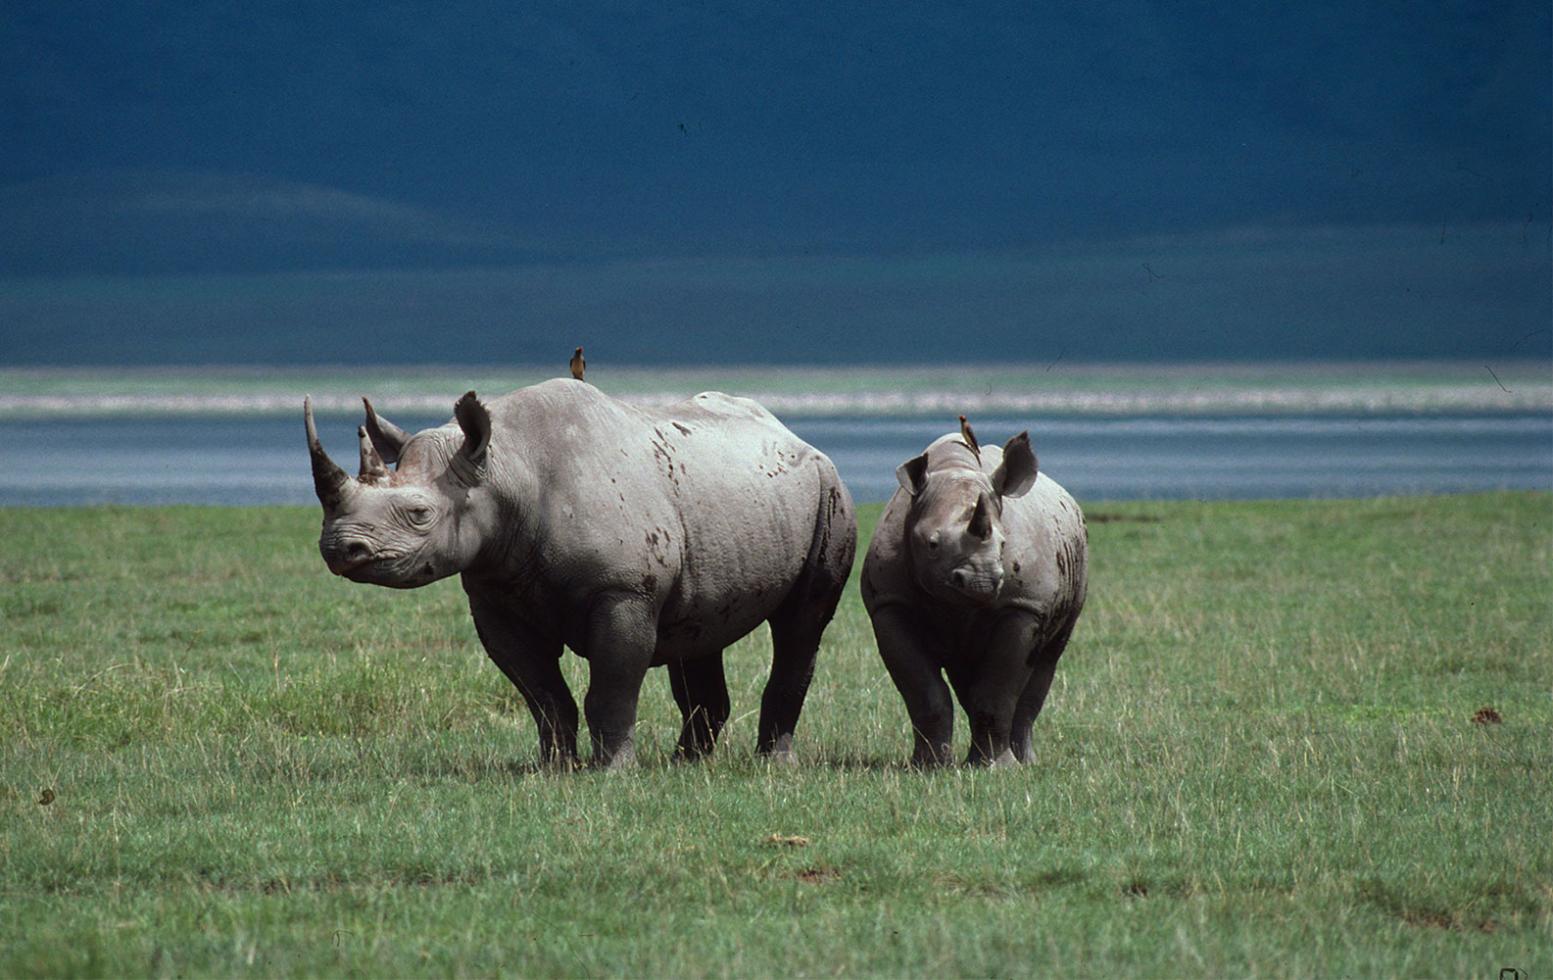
991	692
795	645
533	665
1034	695
914	666
701	691
622	633
798	624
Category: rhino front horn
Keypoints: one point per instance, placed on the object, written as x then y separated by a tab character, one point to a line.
329	481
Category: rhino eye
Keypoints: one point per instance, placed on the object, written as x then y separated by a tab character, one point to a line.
419	515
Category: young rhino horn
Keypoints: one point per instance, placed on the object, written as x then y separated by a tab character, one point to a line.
373	470
981	518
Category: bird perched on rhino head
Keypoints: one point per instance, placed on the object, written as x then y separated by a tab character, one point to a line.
969	435
578	364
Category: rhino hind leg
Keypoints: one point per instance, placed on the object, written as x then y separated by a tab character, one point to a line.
795	647
798	624
701	691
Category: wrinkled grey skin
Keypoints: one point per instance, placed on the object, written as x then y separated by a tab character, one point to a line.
637	538
977	571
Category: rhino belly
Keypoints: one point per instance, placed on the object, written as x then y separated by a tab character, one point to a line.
727	587
681	636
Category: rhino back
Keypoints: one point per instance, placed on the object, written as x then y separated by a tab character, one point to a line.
710	505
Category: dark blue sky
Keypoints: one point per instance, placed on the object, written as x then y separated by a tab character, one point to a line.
197	182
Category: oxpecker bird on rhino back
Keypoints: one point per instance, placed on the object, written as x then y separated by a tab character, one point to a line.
976	570
637	538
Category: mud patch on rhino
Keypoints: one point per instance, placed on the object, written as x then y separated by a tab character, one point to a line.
657	545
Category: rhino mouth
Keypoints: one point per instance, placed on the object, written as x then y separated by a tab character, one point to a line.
392	570
978	588
356	568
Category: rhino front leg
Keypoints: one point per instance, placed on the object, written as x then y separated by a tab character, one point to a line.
622	633
533	664
918	677
991	692
1034	695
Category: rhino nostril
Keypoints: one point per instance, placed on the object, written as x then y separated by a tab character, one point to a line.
357	551
960	578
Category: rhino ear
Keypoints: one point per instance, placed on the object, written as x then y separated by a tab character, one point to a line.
912	474
475	420
387	437
1016	474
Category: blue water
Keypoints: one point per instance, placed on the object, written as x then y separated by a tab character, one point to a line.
263	459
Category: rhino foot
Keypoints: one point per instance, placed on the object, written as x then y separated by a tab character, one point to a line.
622	758
780	752
1003	760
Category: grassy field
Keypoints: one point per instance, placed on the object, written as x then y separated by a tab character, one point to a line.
1259	757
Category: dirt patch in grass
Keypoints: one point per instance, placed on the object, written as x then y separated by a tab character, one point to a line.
817	876
1426	916
1452	923
1486	715
1057	878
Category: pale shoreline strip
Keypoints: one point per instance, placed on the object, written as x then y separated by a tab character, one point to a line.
1215	400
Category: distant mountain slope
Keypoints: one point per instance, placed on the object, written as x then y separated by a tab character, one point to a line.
179	223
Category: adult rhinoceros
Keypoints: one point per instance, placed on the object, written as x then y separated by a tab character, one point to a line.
637	538
976	570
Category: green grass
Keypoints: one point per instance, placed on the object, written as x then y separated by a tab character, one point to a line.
1258	758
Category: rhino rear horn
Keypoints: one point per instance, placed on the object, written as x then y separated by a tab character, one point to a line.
386	436
329	481
475	420
372	468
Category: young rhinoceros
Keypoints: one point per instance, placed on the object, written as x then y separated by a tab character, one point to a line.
976	570
637	538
